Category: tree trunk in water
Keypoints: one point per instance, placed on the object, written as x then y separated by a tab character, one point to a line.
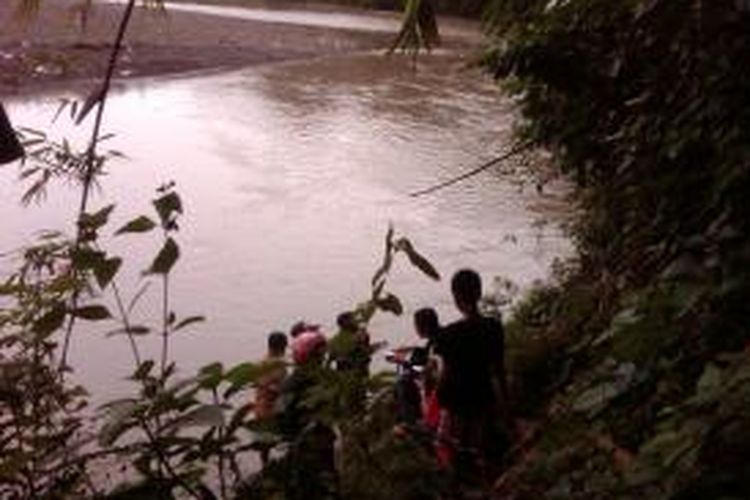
427	19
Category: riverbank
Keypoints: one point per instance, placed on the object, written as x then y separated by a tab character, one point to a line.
43	50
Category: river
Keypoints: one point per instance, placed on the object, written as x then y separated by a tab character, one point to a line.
290	174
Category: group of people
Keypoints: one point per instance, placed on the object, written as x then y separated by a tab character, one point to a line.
452	389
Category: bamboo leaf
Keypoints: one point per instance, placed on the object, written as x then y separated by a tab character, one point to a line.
93	98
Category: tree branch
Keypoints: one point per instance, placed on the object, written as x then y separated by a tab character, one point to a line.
518	149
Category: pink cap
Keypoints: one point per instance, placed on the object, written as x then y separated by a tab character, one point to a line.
306	344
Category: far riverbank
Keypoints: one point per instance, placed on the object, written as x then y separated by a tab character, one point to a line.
50	47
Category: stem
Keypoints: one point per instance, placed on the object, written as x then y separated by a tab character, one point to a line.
126	323
91	153
88	175
222	472
164	461
165	327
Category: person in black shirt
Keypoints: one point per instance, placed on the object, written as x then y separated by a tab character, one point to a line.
472	388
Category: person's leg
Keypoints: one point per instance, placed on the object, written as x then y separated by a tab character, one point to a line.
470	465
408	400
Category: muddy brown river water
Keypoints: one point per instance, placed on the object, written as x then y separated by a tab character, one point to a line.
290	174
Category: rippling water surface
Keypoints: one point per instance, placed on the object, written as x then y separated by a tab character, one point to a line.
290	174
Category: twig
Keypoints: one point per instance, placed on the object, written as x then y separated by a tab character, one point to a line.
519	148
125	318
163	459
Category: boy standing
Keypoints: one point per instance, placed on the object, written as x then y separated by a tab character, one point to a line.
267	390
472	388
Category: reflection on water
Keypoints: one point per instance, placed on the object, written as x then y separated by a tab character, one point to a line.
291	174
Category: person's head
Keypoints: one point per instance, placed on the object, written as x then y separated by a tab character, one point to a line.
347	322
466	286
309	347
426	322
277	343
301	327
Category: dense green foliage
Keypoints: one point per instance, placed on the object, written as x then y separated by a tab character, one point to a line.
634	364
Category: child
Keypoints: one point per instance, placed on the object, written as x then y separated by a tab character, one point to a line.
427	325
269	385
472	389
415	388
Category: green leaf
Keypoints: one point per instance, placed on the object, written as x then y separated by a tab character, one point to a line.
211	375
143	369
94	97
417	259
594	398
92	313
106	270
392	304
188	321
378	277
167	205
663	444
85	258
118	421
64	103
202	416
141	224
51	320
133	330
243	373
166	258
97	219
710	379
239	417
